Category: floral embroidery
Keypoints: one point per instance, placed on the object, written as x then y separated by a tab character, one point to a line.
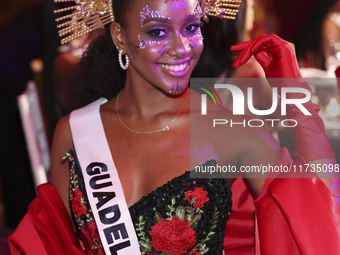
78	203
91	236
202	203
172	236
175	234
197	197
203	249
194	252
82	213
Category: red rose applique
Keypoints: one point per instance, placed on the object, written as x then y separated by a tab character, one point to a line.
172	236
151	253
194	252
78	203
91	237
198	197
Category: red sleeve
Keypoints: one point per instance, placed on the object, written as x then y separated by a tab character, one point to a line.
46	229
293	216
239	236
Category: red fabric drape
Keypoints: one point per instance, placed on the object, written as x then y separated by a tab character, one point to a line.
46	228
293	216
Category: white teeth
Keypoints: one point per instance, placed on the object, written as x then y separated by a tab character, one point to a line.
175	68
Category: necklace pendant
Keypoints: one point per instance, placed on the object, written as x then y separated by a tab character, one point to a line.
166	128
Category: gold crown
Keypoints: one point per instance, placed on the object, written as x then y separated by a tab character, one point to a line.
223	9
87	16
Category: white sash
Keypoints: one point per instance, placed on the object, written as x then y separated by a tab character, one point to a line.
102	183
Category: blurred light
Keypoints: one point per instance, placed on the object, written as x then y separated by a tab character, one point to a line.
333	108
335	132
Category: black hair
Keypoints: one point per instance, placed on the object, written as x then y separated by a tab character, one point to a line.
219	35
309	36
98	74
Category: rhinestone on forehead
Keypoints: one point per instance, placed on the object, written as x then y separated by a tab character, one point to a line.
144	43
148	13
198	10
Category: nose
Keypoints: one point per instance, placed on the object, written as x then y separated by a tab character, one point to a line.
179	46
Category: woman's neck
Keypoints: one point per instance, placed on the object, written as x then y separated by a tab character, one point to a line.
147	101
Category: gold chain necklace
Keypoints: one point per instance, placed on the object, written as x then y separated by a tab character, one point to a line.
148	132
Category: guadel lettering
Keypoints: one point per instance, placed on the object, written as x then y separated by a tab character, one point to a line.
108	215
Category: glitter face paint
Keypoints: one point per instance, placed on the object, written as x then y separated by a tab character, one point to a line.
144	43
197	36
176	89
149	13
171	29
198	11
146	14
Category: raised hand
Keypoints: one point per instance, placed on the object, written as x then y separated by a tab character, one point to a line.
275	55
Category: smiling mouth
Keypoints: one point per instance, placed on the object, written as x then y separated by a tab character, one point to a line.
175	68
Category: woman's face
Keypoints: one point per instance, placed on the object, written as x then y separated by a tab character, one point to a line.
164	42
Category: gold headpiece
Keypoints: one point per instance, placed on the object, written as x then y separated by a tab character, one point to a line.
223	9
89	15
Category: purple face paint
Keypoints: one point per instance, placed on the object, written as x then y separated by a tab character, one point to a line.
197	36
149	13
146	14
198	10
144	43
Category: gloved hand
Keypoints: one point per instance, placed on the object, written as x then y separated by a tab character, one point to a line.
281	63
287	209
277	58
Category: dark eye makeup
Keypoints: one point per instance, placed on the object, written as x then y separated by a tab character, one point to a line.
162	33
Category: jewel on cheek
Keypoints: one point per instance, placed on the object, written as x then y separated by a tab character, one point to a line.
197	35
144	43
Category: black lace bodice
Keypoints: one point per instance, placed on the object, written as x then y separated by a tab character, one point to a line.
184	216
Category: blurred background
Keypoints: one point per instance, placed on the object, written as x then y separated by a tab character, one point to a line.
30	50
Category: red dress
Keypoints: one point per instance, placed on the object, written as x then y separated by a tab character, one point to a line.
294	216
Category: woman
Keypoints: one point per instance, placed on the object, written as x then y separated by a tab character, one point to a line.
145	131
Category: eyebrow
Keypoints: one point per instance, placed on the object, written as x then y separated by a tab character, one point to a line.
161	20
192	17
167	20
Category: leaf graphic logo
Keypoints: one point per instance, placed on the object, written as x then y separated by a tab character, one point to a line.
210	94
208	90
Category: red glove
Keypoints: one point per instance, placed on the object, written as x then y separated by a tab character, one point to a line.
277	57
281	64
299	215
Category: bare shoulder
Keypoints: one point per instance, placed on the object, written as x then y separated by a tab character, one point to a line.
62	138
62	143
